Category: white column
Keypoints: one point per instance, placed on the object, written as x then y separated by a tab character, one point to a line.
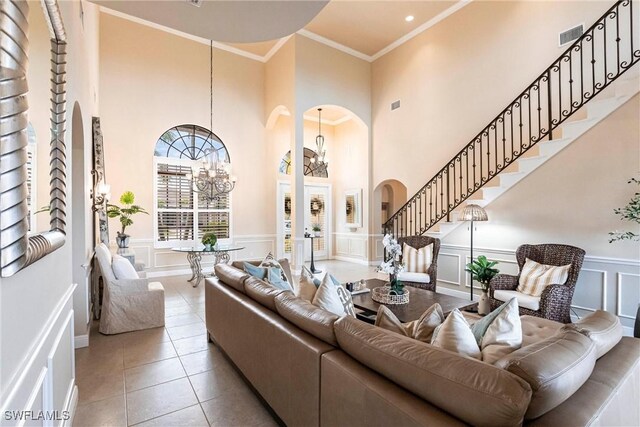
297	191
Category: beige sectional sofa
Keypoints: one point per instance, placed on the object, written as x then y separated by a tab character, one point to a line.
314	369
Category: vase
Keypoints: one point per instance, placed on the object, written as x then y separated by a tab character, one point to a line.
484	305
317	233
207	247
122	240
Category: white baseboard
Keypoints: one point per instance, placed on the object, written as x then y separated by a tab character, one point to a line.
81	341
352	260
455	293
165	273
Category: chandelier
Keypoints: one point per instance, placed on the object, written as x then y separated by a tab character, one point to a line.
320	150
212	178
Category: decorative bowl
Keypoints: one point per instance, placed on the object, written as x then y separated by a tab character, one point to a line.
383	295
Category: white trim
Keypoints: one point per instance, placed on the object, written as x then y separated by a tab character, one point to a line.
455	293
335	45
81	341
590	258
353	260
72	405
310	118
421	29
156	274
15	383
217	45
276	47
619	312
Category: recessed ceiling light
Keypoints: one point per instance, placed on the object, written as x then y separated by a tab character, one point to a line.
409	18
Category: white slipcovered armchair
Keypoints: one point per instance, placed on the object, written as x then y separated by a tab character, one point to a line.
128	304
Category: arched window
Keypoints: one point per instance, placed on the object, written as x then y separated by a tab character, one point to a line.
182	214
311	168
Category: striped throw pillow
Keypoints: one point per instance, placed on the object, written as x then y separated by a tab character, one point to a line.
417	260
535	277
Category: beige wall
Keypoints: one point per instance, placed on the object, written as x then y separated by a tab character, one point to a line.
570	199
36	304
153	81
455	77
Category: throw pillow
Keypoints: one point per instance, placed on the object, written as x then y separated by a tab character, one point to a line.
334	297
500	332
122	268
417	260
421	329
307	287
454	334
535	277
270	261
271	275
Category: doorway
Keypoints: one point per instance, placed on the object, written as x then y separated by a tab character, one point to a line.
317	208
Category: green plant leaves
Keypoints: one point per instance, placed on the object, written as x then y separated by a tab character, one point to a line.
482	270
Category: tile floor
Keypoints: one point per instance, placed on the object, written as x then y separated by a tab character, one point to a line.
171	376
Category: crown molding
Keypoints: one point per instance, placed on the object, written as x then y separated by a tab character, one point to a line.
421	29
217	45
303	32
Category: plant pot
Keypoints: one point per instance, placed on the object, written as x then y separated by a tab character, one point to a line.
484	305
207	247
317	233
122	240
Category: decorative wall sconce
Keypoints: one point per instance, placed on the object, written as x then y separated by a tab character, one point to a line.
100	194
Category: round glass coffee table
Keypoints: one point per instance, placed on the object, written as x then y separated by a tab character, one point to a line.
194	256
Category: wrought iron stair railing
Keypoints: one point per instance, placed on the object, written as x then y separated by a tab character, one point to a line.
602	54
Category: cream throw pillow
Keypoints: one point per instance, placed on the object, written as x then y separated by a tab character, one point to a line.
421	329
306	289
334	297
455	335
417	260
500	332
122	268
535	277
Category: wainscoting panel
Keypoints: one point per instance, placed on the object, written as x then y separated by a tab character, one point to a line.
352	247
46	378
610	284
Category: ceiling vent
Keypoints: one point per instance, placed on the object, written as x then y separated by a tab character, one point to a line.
570	35
196	3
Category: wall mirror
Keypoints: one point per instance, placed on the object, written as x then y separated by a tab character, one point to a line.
32	146
353	208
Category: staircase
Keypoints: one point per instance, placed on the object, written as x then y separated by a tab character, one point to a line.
551	113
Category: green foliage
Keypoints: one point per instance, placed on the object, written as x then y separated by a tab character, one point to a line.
482	271
316	227
209	239
125	212
631	213
397	286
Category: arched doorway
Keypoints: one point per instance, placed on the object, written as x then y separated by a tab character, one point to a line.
389	196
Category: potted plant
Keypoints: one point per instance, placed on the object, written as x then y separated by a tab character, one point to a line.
317	229
631	213
209	241
124	213
394	293
482	271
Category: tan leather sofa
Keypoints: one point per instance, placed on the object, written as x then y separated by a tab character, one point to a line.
314	369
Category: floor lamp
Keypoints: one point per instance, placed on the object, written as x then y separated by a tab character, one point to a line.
472	213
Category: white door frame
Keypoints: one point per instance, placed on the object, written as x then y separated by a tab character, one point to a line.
280	218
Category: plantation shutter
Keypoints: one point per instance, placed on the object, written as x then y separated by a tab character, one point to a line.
174	200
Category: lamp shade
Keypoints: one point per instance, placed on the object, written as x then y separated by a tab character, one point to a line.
473	213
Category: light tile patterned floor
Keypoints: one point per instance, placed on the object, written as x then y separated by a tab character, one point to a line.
172	376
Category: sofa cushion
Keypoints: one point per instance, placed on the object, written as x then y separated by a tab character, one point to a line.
284	264
122	268
555	368
499	333
421	329
536	329
524	300
231	276
334	297
534	277
417	260
306	287
271	275
604	329
491	396
414	277
455	335
306	316
262	293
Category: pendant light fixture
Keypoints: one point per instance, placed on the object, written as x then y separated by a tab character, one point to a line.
320	150
213	178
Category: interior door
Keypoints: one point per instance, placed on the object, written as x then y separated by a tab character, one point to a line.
317	199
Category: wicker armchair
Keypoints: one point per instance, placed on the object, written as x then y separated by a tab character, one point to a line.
420	242
555	301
